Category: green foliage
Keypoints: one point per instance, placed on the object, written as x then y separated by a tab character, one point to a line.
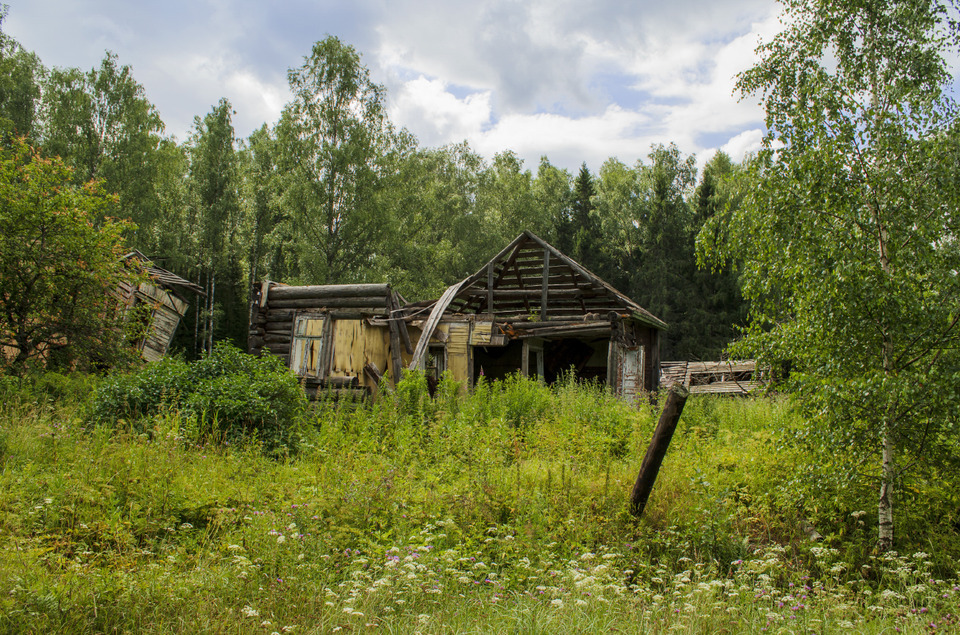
227	395
102	125
393	511
215	218
333	135
847	237
59	266
20	76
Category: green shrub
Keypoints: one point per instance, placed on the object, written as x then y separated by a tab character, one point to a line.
229	394
44	387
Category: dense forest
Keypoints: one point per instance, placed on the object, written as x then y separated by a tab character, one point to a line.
335	193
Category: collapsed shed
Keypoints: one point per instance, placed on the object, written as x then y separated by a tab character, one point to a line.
159	301
531	309
731	377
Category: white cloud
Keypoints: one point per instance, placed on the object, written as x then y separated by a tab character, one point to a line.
436	115
577	82
747	142
573	83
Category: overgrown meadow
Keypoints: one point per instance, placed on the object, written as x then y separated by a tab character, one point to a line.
504	510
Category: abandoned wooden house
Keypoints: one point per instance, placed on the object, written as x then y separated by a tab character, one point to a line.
531	309
159	301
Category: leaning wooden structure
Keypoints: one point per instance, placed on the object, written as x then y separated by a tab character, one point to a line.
728	377
531	309
160	300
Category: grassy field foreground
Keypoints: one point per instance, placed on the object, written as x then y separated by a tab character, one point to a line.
501	511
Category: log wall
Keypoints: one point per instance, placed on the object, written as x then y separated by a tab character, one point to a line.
356	342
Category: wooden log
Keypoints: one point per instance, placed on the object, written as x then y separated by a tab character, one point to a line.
395	357
274	338
278	327
358	302
527	293
525	324
329	291
676	397
398	334
436	313
279	315
283	354
340	382
593	331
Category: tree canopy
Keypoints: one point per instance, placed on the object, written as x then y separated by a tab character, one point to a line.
848	233
59	266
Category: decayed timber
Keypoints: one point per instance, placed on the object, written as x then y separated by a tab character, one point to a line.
311	303
435	314
330	291
590	330
278	315
653	459
373	372
725	377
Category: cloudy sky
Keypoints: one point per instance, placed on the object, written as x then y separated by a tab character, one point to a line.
575	81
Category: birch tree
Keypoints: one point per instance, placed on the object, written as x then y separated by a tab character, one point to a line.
332	135
849	237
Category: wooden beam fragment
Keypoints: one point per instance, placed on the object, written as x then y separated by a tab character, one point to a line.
431	324
490	286
371	371
676	397
545	285
330	291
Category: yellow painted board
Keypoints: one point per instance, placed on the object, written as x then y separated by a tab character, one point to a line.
481	333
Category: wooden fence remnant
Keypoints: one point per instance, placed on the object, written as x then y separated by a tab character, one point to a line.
676	398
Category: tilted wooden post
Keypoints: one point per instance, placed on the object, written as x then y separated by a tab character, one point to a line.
657	449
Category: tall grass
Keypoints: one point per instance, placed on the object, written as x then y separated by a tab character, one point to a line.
503	510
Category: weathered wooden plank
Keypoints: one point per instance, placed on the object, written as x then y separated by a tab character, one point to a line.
525	324
528	293
320	303
264	293
657	449
431	324
330	291
371	370
545	285
395	317
726	387
490	297
593	331
722	367
395	359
